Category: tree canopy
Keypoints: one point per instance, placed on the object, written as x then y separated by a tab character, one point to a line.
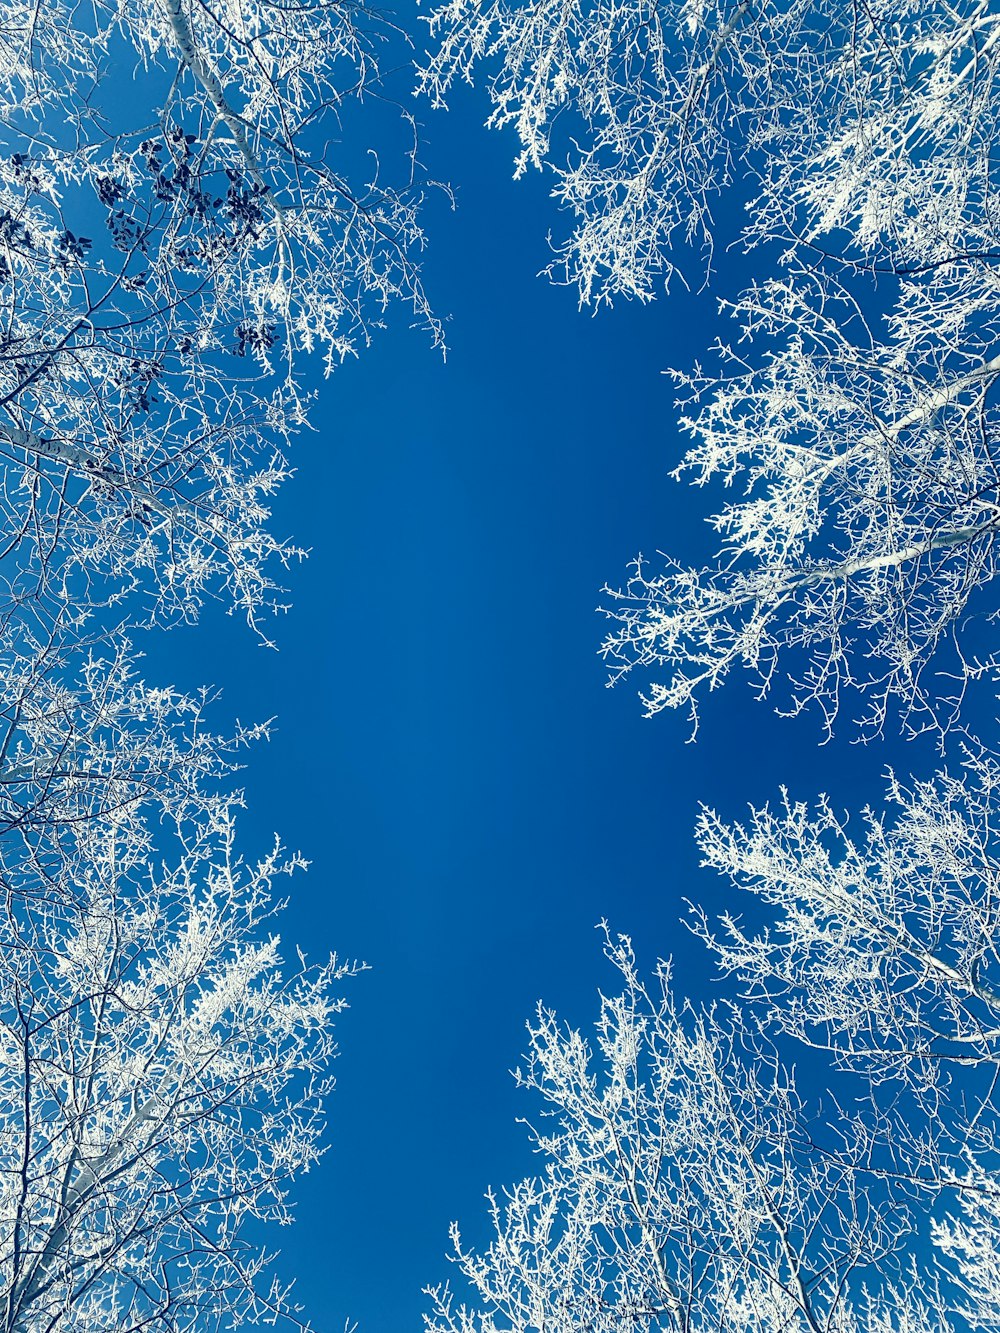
180	270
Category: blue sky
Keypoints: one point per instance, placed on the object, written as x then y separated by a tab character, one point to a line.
472	799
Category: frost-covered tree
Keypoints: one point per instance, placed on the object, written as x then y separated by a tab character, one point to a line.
856	560
165	256
855	409
818	1149
685	1183
867	125
179	225
162	1078
162	1073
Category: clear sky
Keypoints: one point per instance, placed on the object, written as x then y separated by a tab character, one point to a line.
472	799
